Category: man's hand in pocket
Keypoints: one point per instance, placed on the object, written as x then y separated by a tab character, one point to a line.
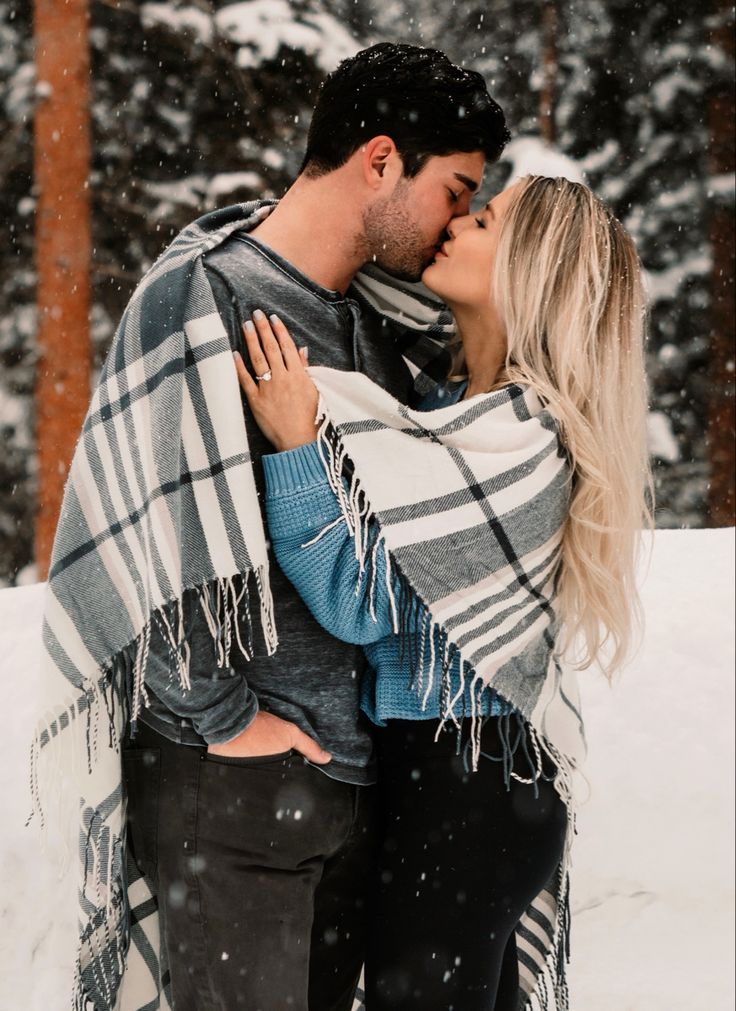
270	735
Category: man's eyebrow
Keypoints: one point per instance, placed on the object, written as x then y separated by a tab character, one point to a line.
471	184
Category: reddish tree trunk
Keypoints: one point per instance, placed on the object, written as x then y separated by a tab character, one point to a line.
549	70
63	247
721	419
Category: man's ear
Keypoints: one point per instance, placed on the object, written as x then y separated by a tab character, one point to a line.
381	163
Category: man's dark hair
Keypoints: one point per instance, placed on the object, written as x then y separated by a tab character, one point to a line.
416	96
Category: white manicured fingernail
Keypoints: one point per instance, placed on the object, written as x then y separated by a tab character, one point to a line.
305	352
249	326
258	315
274	318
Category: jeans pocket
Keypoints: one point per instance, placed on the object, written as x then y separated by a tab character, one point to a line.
142	777
249	760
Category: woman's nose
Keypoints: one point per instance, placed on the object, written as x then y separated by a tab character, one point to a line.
457	225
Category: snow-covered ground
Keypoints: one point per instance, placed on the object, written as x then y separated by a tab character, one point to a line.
653	871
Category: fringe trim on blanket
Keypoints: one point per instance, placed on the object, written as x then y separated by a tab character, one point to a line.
551	990
105	941
422	640
104	706
423	648
225	603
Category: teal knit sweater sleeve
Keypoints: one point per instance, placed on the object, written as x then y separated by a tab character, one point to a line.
300	507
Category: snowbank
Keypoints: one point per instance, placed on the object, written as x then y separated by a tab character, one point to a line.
653	870
653	873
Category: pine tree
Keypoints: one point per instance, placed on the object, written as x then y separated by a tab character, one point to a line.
194	105
198	103
17	290
631	83
721	423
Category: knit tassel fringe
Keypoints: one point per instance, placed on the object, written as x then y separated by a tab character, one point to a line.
550	990
422	640
104	706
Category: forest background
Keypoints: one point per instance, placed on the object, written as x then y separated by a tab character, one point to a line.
200	103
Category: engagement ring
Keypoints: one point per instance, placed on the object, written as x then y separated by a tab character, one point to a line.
266	377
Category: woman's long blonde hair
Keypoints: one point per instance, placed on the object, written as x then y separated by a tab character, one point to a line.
567	283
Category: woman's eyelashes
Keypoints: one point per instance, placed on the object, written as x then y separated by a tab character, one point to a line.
480	222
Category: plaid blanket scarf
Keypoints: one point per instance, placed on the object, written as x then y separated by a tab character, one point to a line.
161	499
470	502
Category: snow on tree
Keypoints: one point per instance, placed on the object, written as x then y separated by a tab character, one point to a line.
199	103
721	433
194	105
17	290
630	109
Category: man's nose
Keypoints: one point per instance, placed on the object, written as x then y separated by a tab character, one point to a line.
462	207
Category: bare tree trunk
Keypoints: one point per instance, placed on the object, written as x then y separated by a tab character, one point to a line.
721	419
63	248
548	94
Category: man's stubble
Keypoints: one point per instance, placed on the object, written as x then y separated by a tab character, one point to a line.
392	236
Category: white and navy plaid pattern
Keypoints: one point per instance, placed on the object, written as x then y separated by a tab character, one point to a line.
161	499
471	500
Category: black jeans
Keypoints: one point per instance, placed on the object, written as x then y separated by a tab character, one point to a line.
261	869
462	857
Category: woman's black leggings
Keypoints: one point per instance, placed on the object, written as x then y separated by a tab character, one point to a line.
462	858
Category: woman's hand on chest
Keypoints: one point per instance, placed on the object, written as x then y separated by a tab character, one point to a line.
282	397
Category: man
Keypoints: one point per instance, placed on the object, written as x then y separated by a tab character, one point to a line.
250	805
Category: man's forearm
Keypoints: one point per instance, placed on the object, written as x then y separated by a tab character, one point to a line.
219	706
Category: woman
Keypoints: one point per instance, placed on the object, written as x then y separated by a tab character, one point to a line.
465	595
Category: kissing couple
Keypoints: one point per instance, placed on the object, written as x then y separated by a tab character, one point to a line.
359	490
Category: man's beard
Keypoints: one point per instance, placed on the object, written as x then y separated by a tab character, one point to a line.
393	239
